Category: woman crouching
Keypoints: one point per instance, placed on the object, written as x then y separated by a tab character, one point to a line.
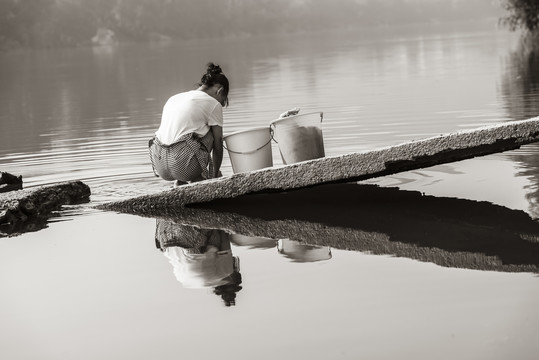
188	146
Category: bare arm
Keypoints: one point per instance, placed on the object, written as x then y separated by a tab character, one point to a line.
217	132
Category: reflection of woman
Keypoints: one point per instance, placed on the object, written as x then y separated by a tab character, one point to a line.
201	258
191	129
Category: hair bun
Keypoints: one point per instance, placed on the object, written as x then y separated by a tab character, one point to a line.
213	69
214	75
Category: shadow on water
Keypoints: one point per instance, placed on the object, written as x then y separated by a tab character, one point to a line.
15	229
19	223
387	221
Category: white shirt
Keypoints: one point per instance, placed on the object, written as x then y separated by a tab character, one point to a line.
187	112
200	270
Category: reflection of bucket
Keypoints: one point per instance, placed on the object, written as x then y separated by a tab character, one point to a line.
302	252
252	241
299	137
249	149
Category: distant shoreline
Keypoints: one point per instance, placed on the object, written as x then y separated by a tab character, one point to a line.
484	24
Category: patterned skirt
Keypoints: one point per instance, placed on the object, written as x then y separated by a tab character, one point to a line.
187	159
192	238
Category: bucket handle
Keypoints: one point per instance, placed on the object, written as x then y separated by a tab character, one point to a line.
272	131
251	151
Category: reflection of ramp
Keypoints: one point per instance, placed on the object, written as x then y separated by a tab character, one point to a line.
345	168
448	232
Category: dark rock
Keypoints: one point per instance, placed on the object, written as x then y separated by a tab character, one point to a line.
10	182
28	210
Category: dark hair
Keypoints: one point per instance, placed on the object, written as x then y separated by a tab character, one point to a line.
214	75
228	291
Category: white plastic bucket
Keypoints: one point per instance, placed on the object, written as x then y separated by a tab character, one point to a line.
249	149
299	137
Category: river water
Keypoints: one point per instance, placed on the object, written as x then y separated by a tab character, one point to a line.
452	276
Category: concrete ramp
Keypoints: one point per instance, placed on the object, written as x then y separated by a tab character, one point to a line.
345	168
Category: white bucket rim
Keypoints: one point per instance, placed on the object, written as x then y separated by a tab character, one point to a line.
247	130
274	122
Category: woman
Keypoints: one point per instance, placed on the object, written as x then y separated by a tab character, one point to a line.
191	130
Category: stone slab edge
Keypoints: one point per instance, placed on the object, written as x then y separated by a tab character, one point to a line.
344	168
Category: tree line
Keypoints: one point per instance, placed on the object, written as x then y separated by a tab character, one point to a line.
521	14
43	23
